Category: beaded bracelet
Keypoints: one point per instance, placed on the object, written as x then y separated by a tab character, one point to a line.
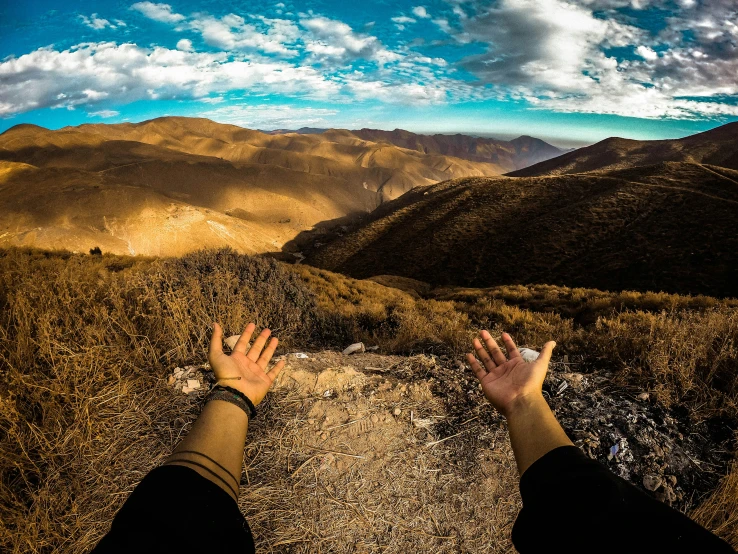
235	397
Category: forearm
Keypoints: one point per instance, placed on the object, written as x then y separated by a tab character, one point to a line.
214	445
534	430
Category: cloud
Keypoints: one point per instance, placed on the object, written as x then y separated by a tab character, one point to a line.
333	40
403	19
555	54
90	73
233	33
98	23
270	116
103	113
158	12
421	12
185	45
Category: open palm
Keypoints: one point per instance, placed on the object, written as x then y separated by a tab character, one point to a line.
504	380
245	371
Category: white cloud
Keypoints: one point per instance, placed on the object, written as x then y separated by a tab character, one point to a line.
98	23
553	54
158	12
233	33
269	116
88	73
185	45
334	40
403	19
443	24
646	53
103	113
421	12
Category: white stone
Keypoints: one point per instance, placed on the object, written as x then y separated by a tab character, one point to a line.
193	384
231	341
356	347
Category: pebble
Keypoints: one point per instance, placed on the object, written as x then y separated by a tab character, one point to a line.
324	436
193	384
171	379
231	341
643	397
375	418
651	481
397	411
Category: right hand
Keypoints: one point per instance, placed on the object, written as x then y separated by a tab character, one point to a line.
507	382
245	371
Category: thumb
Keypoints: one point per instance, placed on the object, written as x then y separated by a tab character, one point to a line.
546	352
216	341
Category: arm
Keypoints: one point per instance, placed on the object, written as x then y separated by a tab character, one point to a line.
214	446
199	482
571	503
514	387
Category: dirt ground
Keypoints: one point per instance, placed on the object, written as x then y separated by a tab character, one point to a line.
370	453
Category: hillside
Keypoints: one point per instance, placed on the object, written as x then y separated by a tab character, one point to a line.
717	146
172	185
639	229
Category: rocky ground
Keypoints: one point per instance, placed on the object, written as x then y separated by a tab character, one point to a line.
370	453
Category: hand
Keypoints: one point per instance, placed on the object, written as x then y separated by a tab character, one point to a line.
506	382
251	367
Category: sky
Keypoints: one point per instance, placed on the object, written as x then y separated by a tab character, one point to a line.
569	71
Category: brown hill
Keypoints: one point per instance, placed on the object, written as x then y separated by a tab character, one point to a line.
172	185
515	154
717	146
671	227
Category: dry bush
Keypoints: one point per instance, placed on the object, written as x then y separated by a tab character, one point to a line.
719	512
85	342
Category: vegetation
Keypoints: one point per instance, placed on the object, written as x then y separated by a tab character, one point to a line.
86	342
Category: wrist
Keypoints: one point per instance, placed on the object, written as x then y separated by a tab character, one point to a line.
524	404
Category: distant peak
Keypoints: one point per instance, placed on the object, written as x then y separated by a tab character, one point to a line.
25	127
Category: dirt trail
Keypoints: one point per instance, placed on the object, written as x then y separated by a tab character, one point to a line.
372	453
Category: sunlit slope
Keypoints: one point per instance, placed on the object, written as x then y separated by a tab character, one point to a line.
671	227
89	185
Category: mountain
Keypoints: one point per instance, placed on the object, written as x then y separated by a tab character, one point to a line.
717	146
171	185
670	227
515	154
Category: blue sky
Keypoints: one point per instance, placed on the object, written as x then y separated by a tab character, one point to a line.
569	71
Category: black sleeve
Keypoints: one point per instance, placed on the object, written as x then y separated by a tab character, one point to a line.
175	509
574	504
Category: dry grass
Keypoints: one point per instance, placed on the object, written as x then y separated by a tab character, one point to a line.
86	341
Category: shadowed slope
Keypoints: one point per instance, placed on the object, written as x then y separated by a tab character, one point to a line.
644	229
717	146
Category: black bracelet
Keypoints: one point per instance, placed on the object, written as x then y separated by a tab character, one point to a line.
229	394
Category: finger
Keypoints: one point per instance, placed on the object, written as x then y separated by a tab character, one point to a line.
276	370
546	352
243	341
512	350
267	354
476	367
483	355
258	345
494	350
216	342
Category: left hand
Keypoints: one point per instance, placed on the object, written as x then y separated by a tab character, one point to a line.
255	380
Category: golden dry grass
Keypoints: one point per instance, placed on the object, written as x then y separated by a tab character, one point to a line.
86	342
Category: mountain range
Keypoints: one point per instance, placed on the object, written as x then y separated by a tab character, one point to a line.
172	185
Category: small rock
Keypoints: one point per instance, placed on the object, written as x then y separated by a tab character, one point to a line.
356	347
301	355
671	479
193	384
372	348
187	390
529	355
328	393
171	379
651	481
231	341
397	411
576	380
643	397
375	418
324	436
